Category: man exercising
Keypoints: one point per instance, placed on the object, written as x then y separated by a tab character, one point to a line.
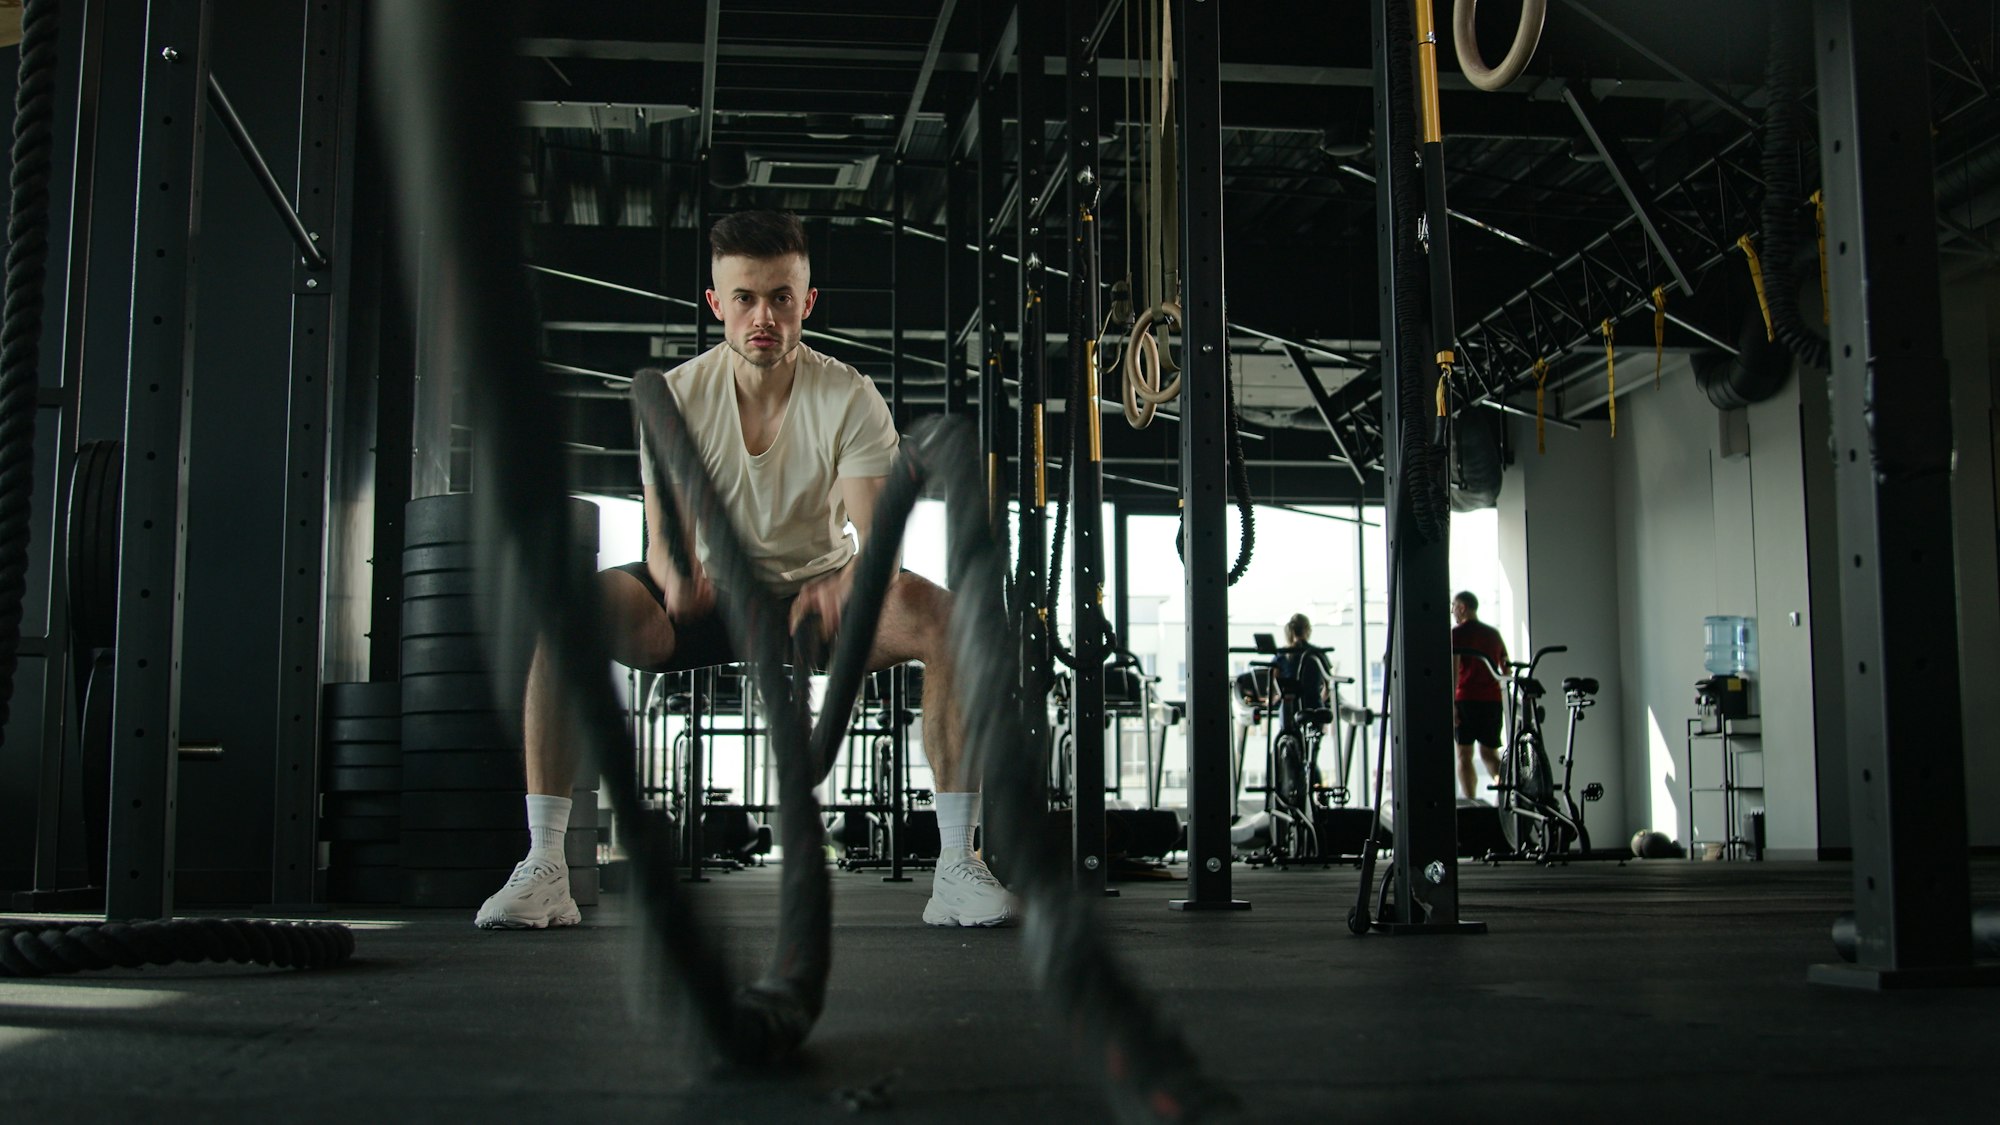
1476	695
799	445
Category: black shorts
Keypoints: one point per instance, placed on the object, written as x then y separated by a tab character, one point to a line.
1477	720
699	642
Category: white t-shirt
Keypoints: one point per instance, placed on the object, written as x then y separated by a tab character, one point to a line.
785	502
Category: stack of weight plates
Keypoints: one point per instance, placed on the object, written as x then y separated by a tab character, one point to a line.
361	785
464	820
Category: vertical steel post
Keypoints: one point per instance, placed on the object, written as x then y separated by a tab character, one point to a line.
1204	463
1085	454
1031	561
961	267
995	296
1419	686
700	255
57	726
153	518
322	201
1893	461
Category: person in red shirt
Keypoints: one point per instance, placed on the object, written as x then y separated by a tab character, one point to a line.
1476	695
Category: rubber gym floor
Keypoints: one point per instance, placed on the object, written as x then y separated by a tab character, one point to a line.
1662	990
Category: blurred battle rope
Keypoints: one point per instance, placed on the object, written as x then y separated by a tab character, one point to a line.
47	949
444	69
21	334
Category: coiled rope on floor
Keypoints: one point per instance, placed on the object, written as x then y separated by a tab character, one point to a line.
53	948
21	333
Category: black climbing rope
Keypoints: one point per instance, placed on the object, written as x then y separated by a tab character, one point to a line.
48	949
21	333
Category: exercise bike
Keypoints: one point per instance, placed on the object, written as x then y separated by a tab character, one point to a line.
1541	820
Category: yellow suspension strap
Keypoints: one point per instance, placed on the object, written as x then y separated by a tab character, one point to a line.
1819	221
1659	331
1757	279
1541	387
1611	375
1446	360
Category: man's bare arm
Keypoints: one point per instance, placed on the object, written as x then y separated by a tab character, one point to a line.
826	594
691	593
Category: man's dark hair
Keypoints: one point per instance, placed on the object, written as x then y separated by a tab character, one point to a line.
1470	599
758	234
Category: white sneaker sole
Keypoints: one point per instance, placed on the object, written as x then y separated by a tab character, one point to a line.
938	914
569	916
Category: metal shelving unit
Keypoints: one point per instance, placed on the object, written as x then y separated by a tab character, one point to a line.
1732	740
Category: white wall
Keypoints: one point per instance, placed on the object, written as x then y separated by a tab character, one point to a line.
1559	547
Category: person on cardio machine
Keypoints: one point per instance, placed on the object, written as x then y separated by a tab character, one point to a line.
799	445
1476	698
1301	663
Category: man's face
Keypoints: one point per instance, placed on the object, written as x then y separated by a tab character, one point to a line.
1459	612
762	304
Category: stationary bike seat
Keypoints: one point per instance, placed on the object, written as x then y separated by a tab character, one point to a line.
1531	688
1316	715
1582	685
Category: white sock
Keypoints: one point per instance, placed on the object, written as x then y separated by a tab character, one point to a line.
548	821
957	815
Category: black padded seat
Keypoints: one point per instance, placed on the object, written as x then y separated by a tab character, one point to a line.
1582	685
1532	688
1318	716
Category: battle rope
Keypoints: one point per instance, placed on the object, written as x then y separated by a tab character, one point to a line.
1424	462
49	948
21	334
1465	40
440	68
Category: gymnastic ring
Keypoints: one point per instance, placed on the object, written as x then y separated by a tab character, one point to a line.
1143	393
1465	40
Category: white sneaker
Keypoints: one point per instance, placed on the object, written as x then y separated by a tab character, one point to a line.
965	893
536	896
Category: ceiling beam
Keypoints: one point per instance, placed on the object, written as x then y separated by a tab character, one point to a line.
710	33
924	73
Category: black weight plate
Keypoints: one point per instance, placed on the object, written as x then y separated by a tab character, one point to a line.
92	544
378	700
462	769
584	883
344	854
364	779
492	808
423	655
431	617
439	584
437	557
490	847
453	886
378	755
461	731
453	692
361	804
364	884
361	829
387	729
438	519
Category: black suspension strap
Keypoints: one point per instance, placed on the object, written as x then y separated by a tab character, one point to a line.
48	949
21	333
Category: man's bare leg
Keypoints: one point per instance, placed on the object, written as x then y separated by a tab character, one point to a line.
537	894
1468	781
915	626
1491	756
